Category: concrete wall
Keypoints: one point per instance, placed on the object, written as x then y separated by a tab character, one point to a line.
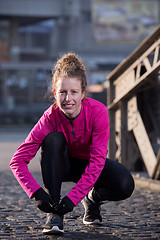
29	8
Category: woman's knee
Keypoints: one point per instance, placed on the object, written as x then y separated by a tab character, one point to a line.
116	191
54	151
123	179
115	183
127	187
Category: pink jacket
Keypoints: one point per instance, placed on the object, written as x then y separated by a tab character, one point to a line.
87	138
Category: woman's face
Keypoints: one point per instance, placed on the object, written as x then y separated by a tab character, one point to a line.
69	95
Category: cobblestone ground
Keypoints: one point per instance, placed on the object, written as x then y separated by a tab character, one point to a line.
135	218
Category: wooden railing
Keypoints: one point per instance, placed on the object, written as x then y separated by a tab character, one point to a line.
124	82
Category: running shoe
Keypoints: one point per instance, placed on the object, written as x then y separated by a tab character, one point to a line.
92	212
54	224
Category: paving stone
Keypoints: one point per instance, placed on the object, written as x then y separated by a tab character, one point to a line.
135	218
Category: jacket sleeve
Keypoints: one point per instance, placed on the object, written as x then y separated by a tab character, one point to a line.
98	153
26	152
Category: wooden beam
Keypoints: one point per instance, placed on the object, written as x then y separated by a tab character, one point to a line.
123	135
145	147
147	64
132	114
156	173
138	70
118	149
156	54
112	139
110	93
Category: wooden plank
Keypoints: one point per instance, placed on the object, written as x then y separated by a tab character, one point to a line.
145	147
110	93
156	54
123	136
118	120
138	71
118	149
132	114
112	139
156	174
147	64
123	84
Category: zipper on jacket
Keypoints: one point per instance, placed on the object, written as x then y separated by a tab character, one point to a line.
71	121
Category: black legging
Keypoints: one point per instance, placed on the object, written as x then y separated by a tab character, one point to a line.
114	183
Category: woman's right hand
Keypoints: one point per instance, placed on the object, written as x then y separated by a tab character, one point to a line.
44	201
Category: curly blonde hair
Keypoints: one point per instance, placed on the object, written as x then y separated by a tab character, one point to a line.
69	65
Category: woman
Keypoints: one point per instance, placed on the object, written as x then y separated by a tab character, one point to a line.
73	135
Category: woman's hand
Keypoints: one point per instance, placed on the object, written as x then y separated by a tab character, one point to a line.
65	206
44	201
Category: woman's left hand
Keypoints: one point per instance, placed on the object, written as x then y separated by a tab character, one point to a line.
65	206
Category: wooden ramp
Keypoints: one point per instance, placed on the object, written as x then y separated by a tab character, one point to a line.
140	70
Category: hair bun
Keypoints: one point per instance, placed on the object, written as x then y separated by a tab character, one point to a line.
69	65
